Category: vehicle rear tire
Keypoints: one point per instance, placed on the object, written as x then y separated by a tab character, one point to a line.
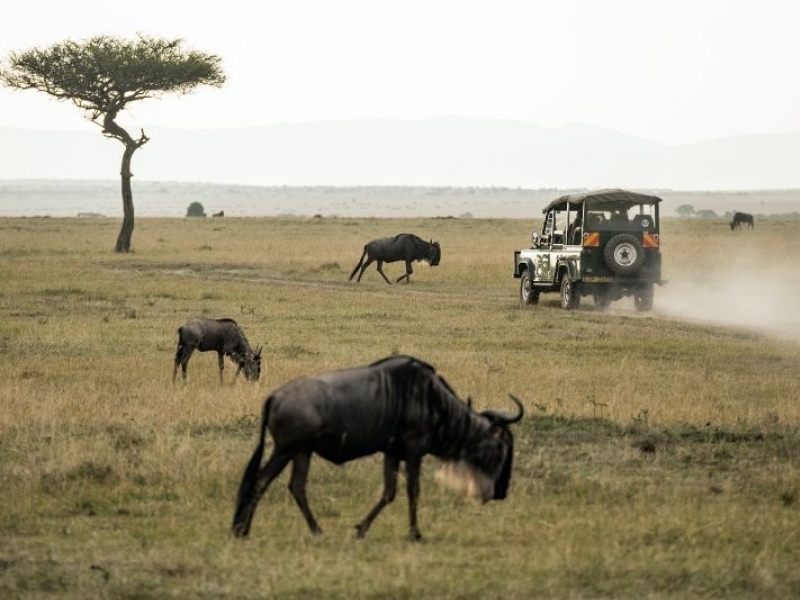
570	299
643	298
624	254
527	294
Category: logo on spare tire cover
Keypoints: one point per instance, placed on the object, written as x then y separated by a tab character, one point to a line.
624	254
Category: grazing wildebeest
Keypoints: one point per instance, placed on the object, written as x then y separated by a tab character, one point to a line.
398	406
226	338
406	246
739	218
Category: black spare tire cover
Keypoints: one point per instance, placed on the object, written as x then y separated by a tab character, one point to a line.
624	254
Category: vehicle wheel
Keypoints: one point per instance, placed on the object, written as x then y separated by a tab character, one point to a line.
527	295
569	297
624	254
643	298
602	301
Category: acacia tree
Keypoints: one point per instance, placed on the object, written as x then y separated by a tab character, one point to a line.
102	75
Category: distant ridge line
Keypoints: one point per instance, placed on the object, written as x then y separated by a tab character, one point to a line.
433	152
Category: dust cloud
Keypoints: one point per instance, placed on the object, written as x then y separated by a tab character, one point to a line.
754	300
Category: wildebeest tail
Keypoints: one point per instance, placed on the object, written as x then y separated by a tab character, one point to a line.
248	485
360	261
179	351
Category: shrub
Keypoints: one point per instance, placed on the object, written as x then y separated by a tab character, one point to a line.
195	210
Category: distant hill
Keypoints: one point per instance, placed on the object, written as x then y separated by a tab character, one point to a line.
426	152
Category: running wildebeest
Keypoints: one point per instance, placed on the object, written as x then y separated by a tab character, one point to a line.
739	218
226	338
398	406
406	246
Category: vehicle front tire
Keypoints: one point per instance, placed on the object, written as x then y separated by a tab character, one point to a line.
527	294
570	299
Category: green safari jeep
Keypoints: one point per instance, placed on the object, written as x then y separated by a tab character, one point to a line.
603	244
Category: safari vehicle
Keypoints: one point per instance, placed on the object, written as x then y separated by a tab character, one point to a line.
603	244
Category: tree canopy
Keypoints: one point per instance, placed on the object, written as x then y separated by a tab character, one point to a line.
103	74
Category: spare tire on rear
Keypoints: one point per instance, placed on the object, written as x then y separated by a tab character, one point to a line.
624	254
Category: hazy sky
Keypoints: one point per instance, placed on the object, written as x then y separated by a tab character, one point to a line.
673	71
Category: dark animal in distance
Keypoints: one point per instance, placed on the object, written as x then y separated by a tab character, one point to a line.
406	246
398	406
226	338
739	218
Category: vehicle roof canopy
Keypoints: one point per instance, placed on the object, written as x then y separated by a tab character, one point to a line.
611	198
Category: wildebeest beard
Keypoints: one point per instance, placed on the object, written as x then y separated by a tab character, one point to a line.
467	479
483	475
436	254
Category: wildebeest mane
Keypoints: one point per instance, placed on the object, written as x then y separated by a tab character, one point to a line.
245	341
452	419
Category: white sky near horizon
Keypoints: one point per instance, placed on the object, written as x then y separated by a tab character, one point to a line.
672	71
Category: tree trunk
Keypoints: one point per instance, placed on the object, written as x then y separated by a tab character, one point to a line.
125	233
112	129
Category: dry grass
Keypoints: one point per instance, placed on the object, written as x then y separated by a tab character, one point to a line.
659	457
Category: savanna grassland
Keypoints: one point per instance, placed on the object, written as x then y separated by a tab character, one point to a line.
659	457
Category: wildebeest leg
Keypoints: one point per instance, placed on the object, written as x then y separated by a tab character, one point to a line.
221	361
360	260
239	360
412	488
407	276
364	268
380	270
390	464
177	362
297	486
247	505
182	358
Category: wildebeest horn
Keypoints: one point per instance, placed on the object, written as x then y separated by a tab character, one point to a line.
503	417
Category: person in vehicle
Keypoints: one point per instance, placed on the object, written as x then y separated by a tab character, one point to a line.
575	230
619	217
